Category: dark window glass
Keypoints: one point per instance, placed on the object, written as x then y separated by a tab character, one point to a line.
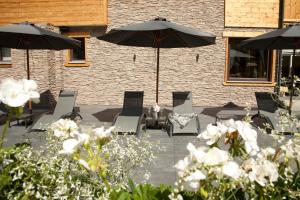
287	61
248	65
78	55
5	55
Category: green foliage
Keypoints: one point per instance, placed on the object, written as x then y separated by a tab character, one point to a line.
26	174
142	192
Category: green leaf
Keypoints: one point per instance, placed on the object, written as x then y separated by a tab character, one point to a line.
131	184
122	195
203	192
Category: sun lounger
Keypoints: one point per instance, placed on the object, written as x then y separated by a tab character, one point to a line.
269	106
130	118
182	106
64	109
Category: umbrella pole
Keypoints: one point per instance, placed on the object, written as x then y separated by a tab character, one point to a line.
28	70
292	87
157	74
28	78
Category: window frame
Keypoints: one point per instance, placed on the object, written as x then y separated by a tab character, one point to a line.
4	64
245	82
85	36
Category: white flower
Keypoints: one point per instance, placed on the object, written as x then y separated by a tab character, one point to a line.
230	124
182	166
59	133
265	153
196	154
156	107
69	146
12	93
103	133
249	136
193	180
64	128
147	176
212	134
248	164
232	170
30	87
16	93
83	138
264	172
84	164
215	156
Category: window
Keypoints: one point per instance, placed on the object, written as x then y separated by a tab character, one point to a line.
247	65
5	56
78	57
287	61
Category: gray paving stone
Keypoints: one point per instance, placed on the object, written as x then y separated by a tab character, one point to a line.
162	171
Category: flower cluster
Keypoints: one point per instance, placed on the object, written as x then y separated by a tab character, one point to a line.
234	165
15	93
83	147
28	173
91	164
234	132
64	128
114	158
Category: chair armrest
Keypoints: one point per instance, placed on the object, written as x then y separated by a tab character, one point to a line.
198	124
142	116
115	118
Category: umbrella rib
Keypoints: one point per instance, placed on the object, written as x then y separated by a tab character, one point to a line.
45	38
177	36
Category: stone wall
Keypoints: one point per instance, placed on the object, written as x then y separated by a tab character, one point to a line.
113	68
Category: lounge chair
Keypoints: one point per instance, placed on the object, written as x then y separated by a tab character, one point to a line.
64	109
269	106
182	105
130	118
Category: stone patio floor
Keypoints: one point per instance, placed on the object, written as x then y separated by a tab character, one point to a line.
162	171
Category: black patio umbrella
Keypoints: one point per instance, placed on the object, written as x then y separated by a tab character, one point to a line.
158	33
28	36
286	38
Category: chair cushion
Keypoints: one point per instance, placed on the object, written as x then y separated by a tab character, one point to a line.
126	124
191	127
67	93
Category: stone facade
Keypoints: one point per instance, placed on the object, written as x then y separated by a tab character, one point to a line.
113	68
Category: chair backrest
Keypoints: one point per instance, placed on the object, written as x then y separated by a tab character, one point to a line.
182	102
133	103
65	103
266	101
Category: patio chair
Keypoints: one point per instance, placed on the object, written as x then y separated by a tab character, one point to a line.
131	116
268	105
63	109
182	105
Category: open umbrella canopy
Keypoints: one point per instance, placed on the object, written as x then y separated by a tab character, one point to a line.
158	33
28	36
286	38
